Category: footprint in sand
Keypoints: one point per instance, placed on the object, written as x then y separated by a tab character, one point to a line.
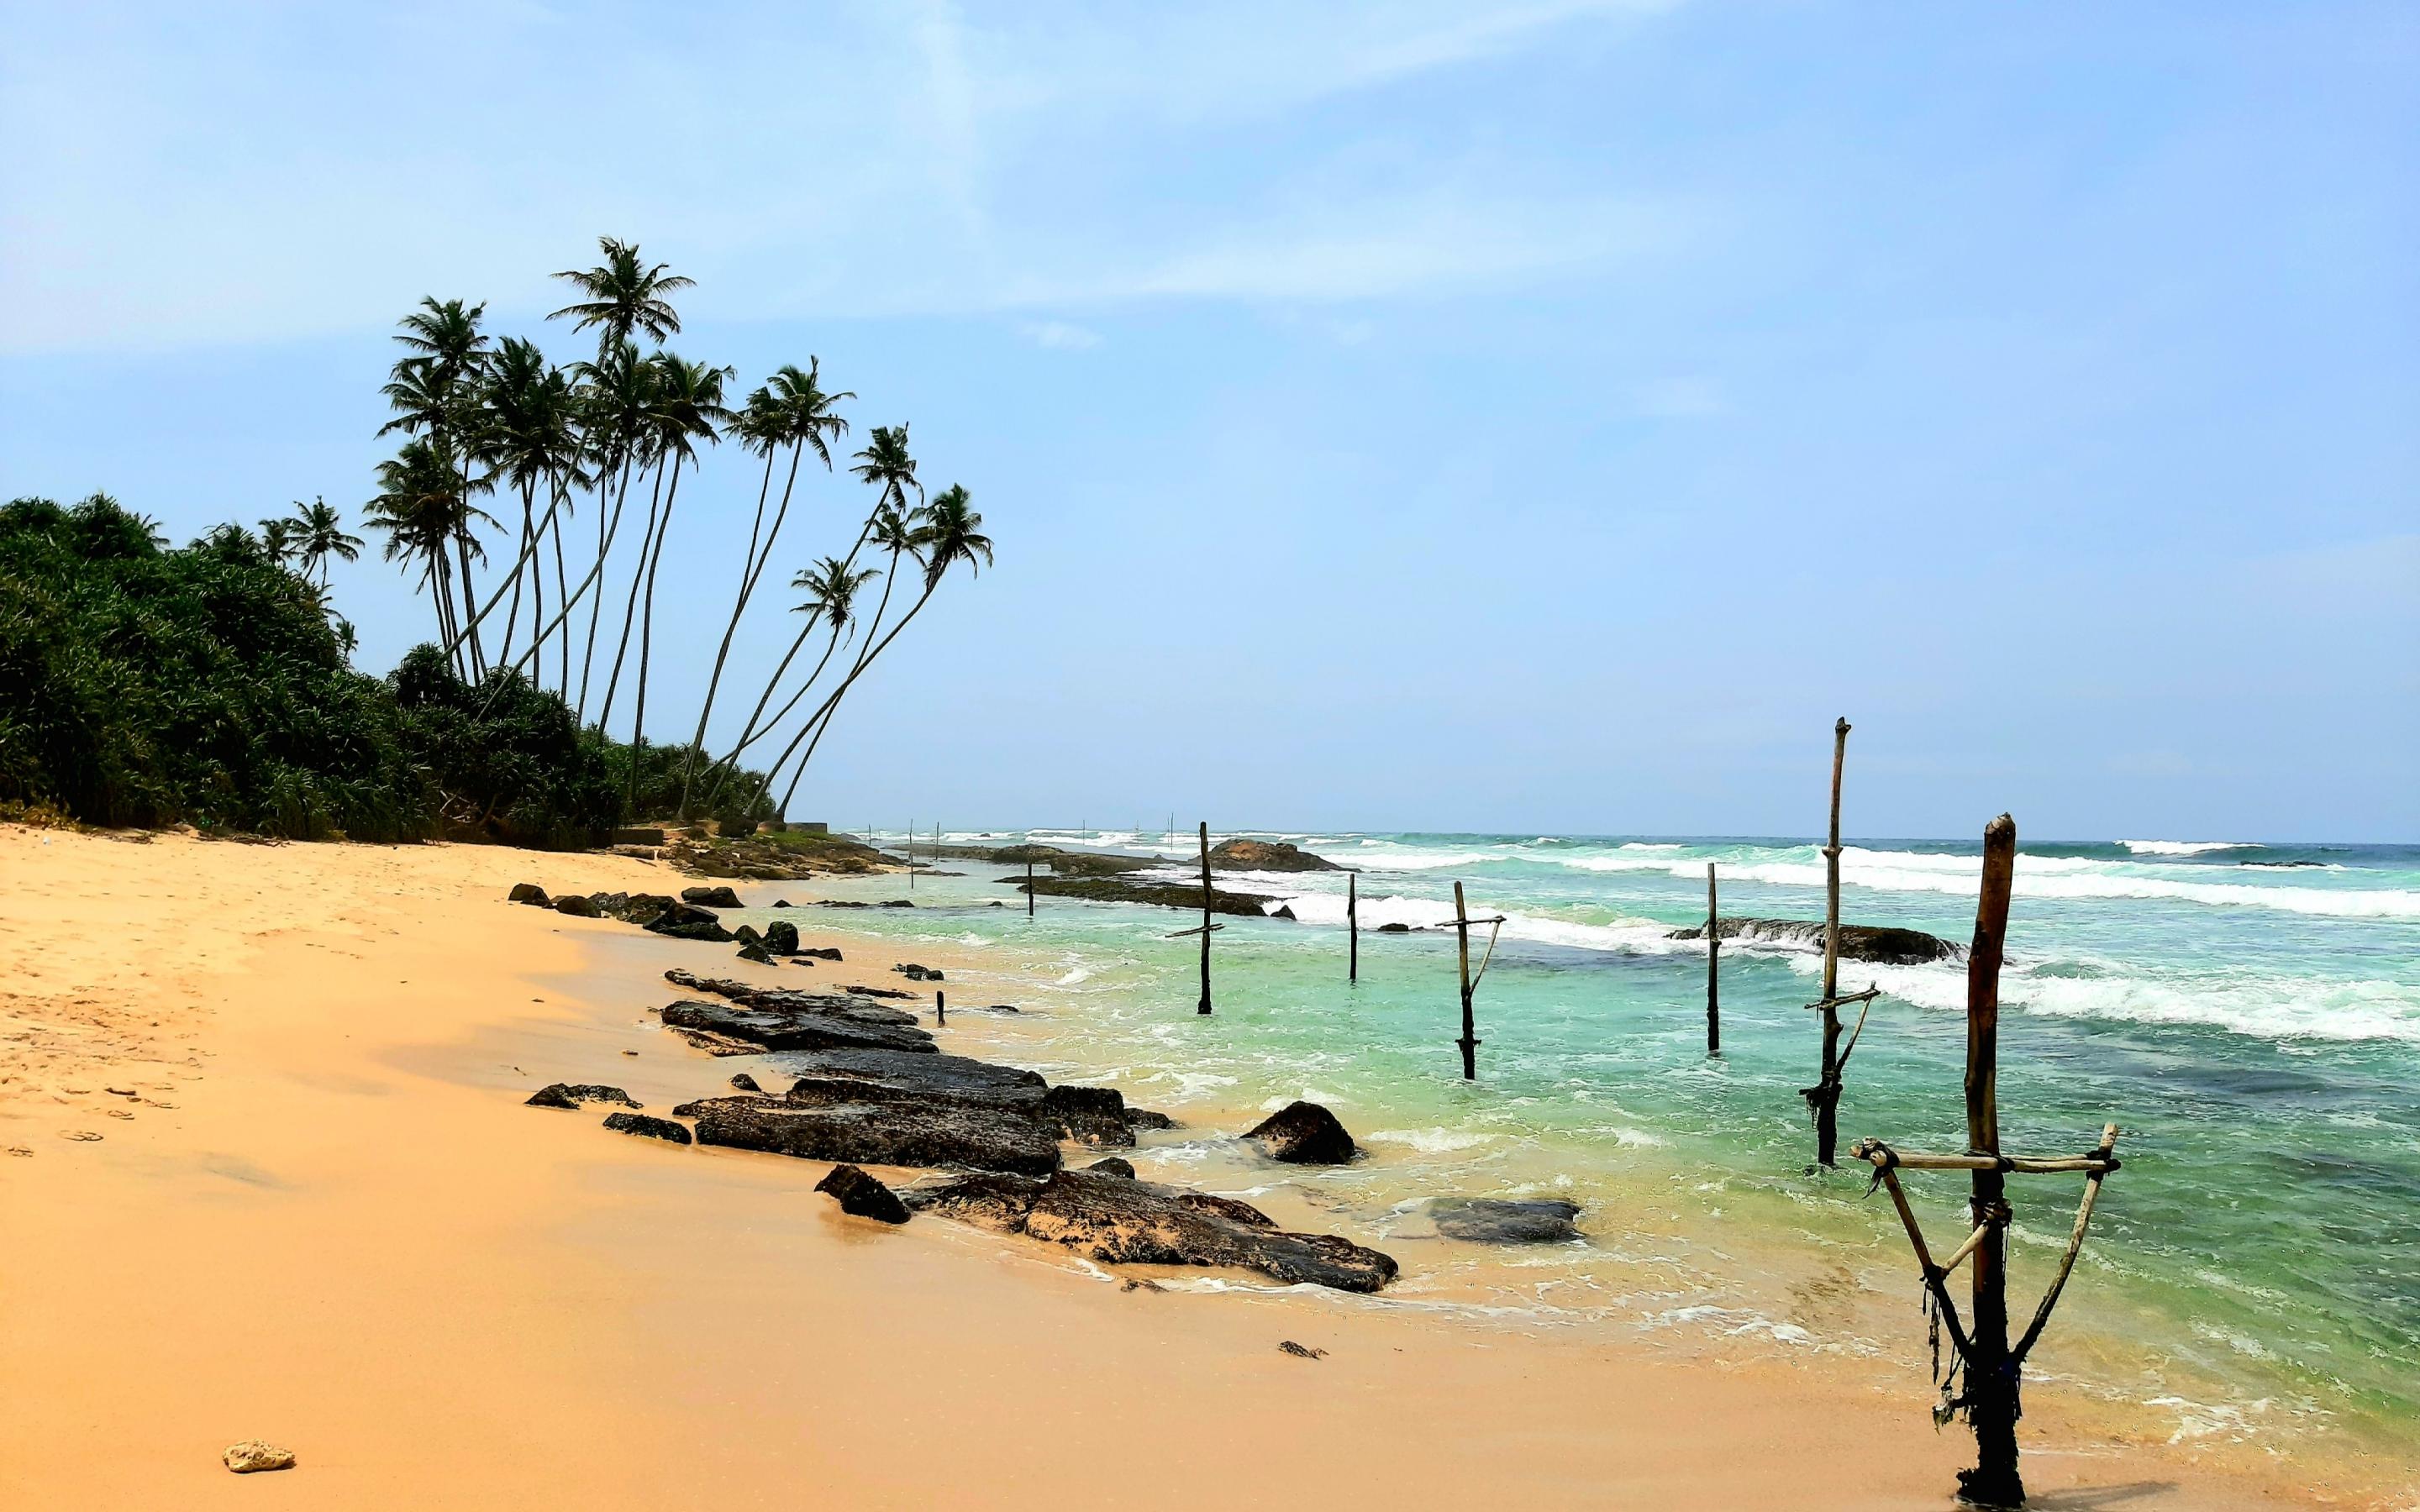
119	1113
84	1135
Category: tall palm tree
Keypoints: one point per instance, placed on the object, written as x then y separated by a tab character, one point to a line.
526	436
790	408
431	392
885	464
686	409
946	532
622	294
277	539
322	532
422	512
616	392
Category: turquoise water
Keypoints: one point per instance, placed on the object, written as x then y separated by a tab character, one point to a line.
2249	1014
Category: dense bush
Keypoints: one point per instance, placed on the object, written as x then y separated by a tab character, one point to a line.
141	685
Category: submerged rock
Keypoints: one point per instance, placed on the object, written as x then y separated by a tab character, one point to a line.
1185	895
253	1456
647	1127
1118	1220
1303	1134
864	1195
716	897
1267	855
1882	945
1392	929
1504	1221
572	1094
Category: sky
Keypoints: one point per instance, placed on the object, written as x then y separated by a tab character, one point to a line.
1542	417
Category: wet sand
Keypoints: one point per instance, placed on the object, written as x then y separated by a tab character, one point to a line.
323	1218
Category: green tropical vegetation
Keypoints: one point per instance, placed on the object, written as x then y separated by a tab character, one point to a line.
213	684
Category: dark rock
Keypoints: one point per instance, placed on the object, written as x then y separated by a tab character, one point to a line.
747	935
1393	928
756	953
840	902
1066	863
782	937
862	1195
821	953
572	1094
1283	911
647	1127
1117	1220
683	922
1300	1352
911	1075
1303	1134
882	1132
811	1022
578	907
721	897
897	903
1503	1221
1882	945
641	908
780	903
916	973
1145	1118
879	992
741	1081
528	892
1267	855
1089	1115
1187	895
1114	1165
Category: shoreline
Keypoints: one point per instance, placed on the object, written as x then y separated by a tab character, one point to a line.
330	1223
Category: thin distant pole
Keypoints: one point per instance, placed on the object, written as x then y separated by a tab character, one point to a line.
1353	927
941	1008
1469	1040
1205	917
1714	951
1029	886
911	856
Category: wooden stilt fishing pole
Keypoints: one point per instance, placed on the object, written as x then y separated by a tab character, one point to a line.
911	856
1713	953
1206	925
1351	929
1462	922
1823	1098
1029	886
1980	1344
941	1008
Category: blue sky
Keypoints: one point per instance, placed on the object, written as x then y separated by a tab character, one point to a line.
1540	417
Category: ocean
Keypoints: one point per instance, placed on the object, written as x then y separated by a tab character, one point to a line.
2248	1013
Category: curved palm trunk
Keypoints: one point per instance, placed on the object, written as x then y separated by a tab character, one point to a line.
750	568
606	533
561	593
720	772
631	608
823	717
647	639
513	615
470	595
889	580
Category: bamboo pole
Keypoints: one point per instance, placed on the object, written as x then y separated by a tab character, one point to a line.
2074	1242
1992	1371
1714	951
1469	1040
1827	1084
1206	925
1353	928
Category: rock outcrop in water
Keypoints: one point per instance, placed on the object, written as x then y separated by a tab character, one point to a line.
1303	1134
1882	945
859	1194
1187	895
1504	1221
1117	1220
1267	855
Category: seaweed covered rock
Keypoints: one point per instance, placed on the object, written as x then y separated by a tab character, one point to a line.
1117	1220
647	1127
862	1194
572	1094
1303	1134
1504	1221
1267	855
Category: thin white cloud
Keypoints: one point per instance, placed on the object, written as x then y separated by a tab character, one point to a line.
1059	336
1680	397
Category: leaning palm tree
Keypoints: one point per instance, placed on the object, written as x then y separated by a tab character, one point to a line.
686	408
947	532
614	393
431	392
422	512
277	539
792	409
622	295
831	589
526	436
321	532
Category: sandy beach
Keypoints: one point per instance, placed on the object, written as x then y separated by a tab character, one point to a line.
267	1174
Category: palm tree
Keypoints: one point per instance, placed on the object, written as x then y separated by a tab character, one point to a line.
621	295
687	407
430	393
613	393
791	408
832	590
946	532
526	437
421	509
321	532
277	539
885	463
